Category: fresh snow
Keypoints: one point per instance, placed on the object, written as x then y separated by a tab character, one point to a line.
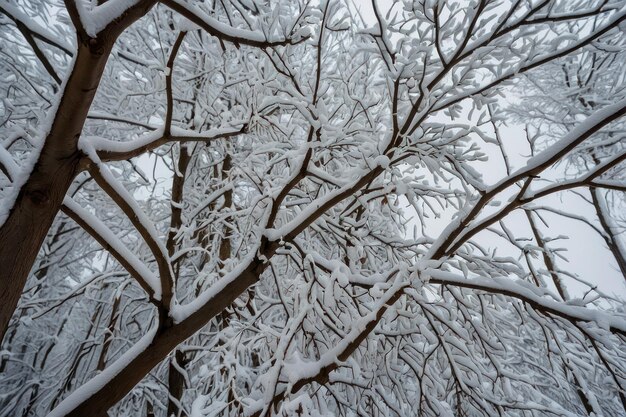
92	387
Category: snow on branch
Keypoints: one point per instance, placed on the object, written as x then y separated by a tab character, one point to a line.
300	373
69	404
458	232
505	286
98	18
107	239
223	31
25	23
109	150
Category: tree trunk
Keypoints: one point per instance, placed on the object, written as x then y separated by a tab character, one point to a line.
41	196
176	384
176	380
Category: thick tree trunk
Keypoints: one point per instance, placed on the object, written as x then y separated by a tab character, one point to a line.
40	198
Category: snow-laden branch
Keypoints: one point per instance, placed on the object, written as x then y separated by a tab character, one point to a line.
616	185
8	165
221	30
613	22
589	178
107	239
109	150
457	232
119	377
180	313
301	373
96	115
32	31
84	391
95	20
529	196
576	136
37	31
532	296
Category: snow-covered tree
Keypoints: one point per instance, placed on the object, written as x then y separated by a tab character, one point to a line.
284	208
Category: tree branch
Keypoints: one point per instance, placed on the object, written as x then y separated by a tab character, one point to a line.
504	286
102	234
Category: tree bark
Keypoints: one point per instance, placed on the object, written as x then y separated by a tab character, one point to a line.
176	384
176	380
40	198
41	195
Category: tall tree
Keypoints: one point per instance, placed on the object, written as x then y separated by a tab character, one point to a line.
37	195
326	245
